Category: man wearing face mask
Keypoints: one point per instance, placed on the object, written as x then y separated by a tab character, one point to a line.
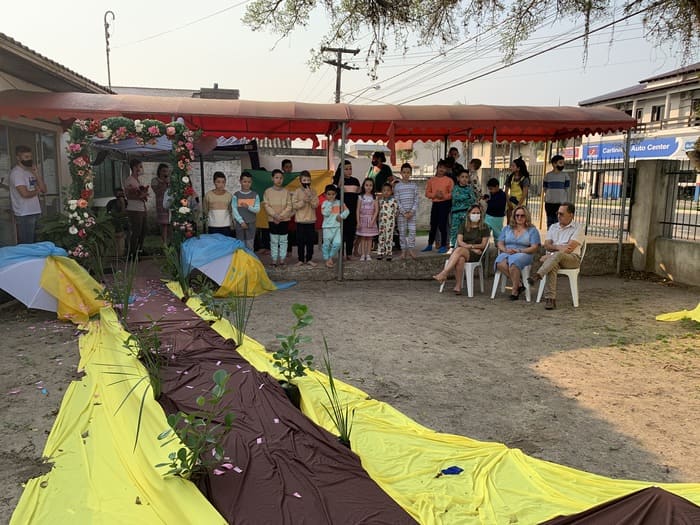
25	186
556	189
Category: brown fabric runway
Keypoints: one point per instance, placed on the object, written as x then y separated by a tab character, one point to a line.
291	470
652	506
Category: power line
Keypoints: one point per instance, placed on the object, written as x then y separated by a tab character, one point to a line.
505	66
468	55
488	38
183	26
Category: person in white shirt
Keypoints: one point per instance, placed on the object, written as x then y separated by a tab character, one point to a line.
25	187
137	195
563	244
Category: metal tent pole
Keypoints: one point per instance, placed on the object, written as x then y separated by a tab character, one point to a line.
341	184
493	153
623	199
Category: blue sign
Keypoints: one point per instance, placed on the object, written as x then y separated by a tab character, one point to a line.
645	149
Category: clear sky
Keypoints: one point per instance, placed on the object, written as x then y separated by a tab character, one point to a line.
190	54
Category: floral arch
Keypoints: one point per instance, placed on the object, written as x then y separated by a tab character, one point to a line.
82	133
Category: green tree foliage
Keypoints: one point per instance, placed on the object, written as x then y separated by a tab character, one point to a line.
444	23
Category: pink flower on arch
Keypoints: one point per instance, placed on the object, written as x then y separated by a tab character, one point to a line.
153	130
170	131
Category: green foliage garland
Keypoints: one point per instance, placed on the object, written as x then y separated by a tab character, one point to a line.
115	129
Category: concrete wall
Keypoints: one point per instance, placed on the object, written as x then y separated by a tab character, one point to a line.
674	259
601	259
678	260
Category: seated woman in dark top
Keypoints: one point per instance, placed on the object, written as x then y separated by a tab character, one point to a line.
472	239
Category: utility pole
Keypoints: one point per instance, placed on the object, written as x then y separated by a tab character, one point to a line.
109	74
338	63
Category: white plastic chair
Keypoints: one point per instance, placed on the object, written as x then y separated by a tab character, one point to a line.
523	276
468	274
572	274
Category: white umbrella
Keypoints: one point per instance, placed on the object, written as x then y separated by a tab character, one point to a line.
216	269
21	280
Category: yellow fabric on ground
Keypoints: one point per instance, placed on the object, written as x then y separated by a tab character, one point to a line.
693	315
73	287
98	477
246	275
499	485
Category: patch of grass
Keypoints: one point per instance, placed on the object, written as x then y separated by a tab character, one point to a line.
690	324
621	341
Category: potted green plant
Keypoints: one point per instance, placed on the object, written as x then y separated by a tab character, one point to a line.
199	432
288	358
339	412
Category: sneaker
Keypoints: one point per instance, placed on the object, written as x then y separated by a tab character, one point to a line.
550	304
368	258
312	264
449	252
300	263
443	249
427	249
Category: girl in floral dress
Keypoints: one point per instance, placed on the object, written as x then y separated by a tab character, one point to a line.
388	210
367	210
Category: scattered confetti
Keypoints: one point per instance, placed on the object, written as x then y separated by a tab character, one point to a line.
276	420
14	391
218	363
296	495
237	469
259	441
260	387
219	472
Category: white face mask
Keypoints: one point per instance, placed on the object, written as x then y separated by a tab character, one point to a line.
474	217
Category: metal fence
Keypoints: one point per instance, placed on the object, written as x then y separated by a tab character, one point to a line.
598	193
595	191
682	210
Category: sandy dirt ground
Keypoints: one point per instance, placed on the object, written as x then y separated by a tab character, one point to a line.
604	387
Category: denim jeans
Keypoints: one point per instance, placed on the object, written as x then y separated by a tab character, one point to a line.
26	228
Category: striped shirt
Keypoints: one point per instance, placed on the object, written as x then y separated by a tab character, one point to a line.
556	185
406	195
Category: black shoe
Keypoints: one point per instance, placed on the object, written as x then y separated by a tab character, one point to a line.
514	297
532	280
379	257
388	258
521	290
